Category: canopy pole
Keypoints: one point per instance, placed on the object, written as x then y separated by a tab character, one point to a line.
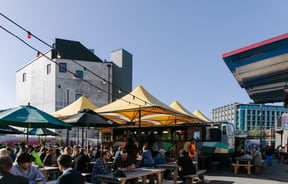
139	125
82	137
67	138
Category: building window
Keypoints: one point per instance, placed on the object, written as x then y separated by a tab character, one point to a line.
62	67
77	96
48	69
79	74
24	77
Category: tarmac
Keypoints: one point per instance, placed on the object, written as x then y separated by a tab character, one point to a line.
277	173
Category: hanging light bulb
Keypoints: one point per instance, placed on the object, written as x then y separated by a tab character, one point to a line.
74	76
99	91
29	35
104	81
133	97
119	91
58	55
38	54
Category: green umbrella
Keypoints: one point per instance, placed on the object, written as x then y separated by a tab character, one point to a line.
41	132
30	117
5	129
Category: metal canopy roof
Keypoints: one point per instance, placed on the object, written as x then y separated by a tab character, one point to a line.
261	69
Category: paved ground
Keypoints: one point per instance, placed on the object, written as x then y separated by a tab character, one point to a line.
277	173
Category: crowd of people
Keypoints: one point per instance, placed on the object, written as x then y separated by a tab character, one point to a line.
26	162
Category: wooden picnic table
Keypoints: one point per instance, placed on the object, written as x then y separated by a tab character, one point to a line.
244	161
139	172
53	172
172	166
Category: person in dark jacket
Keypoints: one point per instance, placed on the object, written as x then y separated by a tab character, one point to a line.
69	175
269	151
81	161
5	170
186	166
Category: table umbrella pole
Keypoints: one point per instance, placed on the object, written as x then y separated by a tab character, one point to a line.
82	137
27	136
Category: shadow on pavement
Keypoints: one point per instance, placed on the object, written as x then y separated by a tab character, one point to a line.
220	182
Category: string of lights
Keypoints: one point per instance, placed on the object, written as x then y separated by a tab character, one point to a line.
30	35
69	71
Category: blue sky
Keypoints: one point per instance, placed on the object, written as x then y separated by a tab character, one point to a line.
177	46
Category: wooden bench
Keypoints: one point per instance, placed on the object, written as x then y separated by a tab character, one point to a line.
247	166
190	178
86	175
167	182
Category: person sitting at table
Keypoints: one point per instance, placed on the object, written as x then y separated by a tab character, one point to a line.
4	152
25	168
69	175
81	161
238	153
101	166
256	159
147	159
34	151
185	164
117	153
161	158
6	163
123	163
50	158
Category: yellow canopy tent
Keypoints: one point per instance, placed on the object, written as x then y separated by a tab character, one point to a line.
80	104
200	115
141	106
178	107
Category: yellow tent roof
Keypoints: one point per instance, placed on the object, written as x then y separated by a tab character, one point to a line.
177	106
141	106
200	115
80	104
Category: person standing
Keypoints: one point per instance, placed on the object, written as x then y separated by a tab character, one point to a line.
69	175
269	151
6	175
192	152
132	149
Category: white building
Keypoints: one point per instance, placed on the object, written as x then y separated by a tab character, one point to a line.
51	84
69	71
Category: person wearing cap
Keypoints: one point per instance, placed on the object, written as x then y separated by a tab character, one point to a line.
25	168
69	175
6	175
162	158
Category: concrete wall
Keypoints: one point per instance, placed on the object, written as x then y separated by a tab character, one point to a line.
122	72
39	87
68	86
53	91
